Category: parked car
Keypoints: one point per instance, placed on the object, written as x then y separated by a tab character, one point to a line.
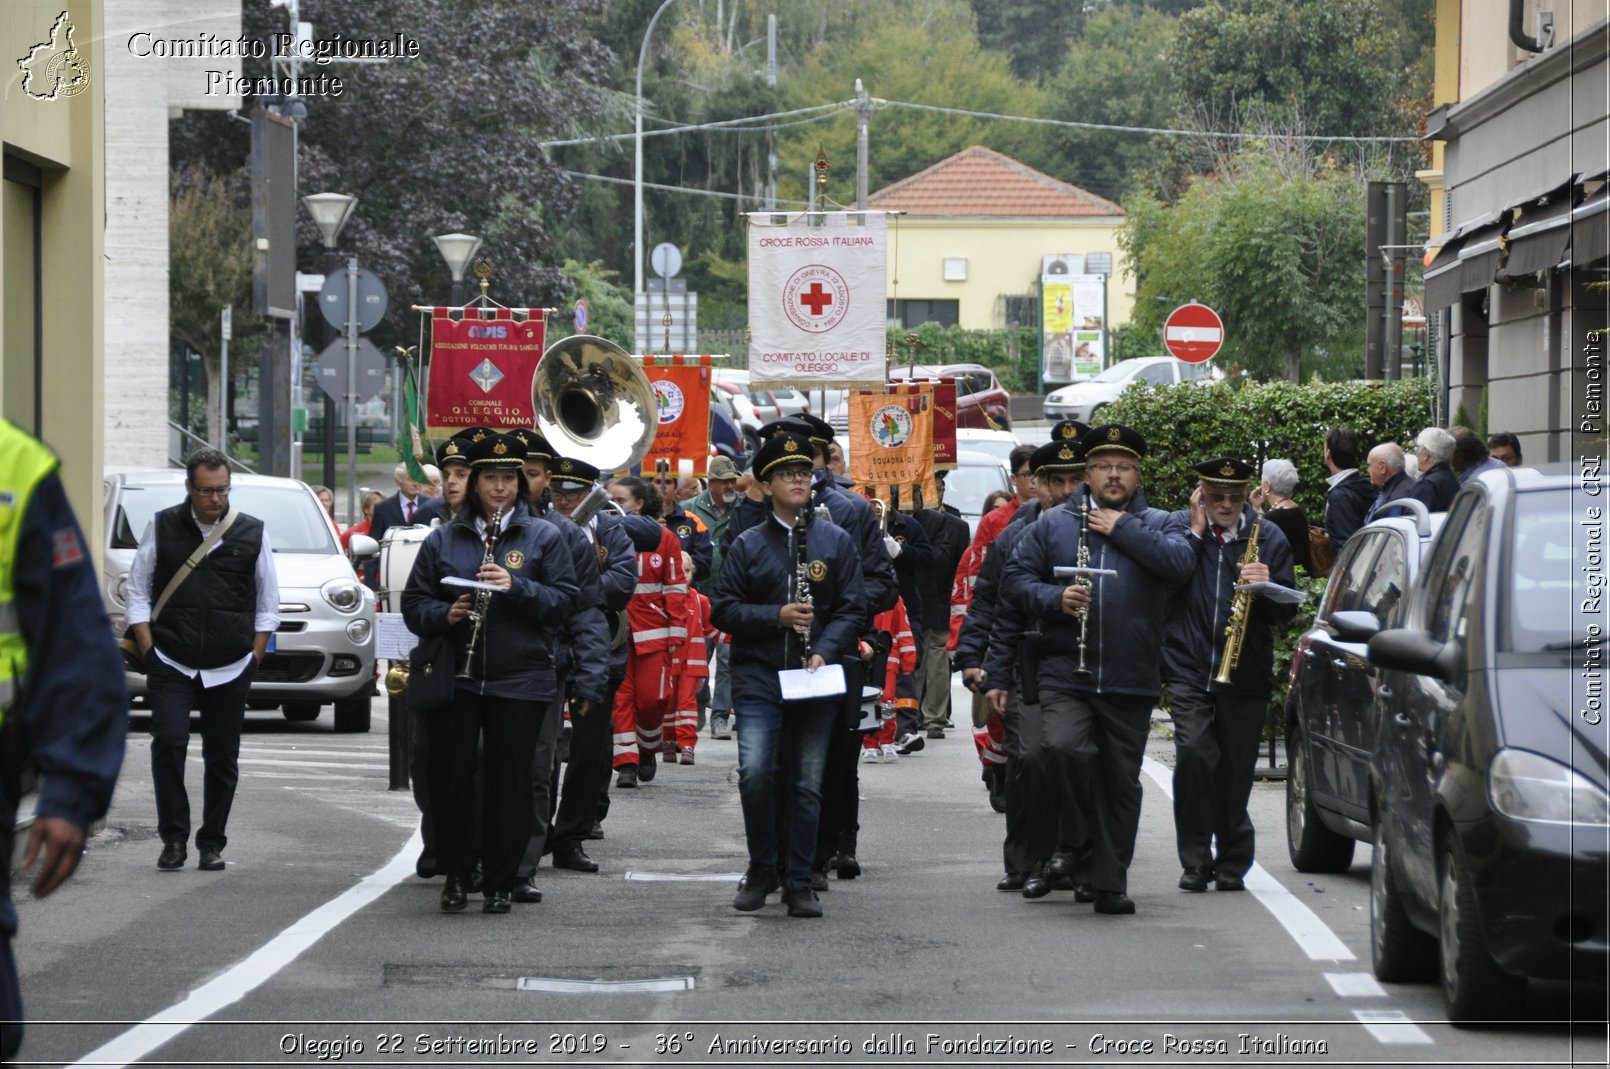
323	652
977	475
1082	400
998	444
1491	806
725	432
981	400
1330	713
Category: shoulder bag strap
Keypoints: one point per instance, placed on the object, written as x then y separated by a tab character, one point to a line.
194	559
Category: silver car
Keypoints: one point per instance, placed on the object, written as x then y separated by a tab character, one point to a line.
324	650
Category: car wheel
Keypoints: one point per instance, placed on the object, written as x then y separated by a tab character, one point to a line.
1095	412
1473	985
751	442
1399	952
300	710
1312	846
352	714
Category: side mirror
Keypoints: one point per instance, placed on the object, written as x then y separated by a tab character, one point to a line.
1354	626
1414	650
362	547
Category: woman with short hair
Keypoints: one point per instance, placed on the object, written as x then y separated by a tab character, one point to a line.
1274	496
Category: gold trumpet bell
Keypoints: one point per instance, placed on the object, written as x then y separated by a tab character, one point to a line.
397	679
594	403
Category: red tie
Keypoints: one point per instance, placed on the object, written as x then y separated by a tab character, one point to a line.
408	513
1218	534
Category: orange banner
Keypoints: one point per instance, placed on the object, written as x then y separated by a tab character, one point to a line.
892	440
682	403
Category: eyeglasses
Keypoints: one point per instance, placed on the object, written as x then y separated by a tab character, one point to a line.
1226	498
1024	474
794	475
210	491
568	494
1108	468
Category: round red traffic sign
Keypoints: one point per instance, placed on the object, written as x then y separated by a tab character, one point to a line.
1193	332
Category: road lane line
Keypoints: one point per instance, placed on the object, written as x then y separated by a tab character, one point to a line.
274	762
1391	1026
1301	923
255	969
1355	985
685	877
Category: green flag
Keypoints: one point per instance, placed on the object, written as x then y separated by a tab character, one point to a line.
410	439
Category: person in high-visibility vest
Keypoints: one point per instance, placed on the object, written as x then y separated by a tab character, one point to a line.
62	696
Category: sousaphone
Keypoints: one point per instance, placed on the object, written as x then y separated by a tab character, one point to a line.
594	403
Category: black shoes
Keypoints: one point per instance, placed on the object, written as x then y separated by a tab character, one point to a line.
173	855
425	867
454	897
211	860
1084	892
758	882
844	862
1193	879
819	879
1115	902
627	778
995	783
496	902
802	902
1012	881
1059	870
1226	881
526	890
575	859
646	767
1036	885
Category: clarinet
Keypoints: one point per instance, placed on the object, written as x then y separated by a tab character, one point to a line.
483	599
802	581
1082	560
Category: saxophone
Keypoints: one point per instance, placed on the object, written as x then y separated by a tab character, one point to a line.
802	581
1240	609
1082	560
483	602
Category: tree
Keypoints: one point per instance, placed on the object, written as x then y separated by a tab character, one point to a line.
1034	33
1274	241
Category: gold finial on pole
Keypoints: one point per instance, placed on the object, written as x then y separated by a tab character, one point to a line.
667	323
821	177
483	270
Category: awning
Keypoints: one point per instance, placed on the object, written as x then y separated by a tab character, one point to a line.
1478	257
1442	276
1541	232
1590	230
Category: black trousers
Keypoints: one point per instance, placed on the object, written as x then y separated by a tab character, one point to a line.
1215	749
544	781
1015	854
583	799
223	709
419	772
1085	752
841	779
509	727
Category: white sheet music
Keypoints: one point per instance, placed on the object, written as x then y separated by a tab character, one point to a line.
473	584
393	640
801	685
1280	595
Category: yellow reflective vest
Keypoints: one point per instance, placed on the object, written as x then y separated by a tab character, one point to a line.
24	463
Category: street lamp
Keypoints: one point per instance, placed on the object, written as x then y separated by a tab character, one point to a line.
458	250
330	212
637	164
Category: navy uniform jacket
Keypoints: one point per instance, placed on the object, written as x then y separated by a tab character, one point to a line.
1400	485
1004	626
912	567
948	532
854	514
757	580
973	643
518	634
1153	557
695	540
70	717
1194	642
583	650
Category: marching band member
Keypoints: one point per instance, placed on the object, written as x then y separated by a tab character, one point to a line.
658	619
505	663
1096	683
782	750
1217	723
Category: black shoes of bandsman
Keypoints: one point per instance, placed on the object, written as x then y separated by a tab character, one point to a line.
758	882
1193	879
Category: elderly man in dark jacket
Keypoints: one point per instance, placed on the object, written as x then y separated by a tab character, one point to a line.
1388	476
1217	724
1095	718
1437	484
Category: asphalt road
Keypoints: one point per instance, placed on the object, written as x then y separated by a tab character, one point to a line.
319	944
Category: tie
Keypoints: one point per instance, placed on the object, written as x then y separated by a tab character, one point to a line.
1218	534
408	510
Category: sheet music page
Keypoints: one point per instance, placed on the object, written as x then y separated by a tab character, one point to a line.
801	685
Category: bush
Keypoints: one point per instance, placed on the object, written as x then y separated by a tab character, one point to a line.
1014	355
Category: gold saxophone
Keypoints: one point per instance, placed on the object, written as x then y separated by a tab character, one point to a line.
1235	632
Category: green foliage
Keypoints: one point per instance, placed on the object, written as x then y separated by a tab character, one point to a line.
210	260
1481	414
1132	340
1274	242
1461	417
609	304
1014	355
1034	33
1186	424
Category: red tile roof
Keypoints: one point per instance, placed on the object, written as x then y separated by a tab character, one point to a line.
982	182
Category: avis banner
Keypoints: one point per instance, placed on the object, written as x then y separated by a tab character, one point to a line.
681	387
892	439
481	370
817	298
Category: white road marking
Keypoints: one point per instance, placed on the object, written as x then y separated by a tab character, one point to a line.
274	761
685	877
254	970
603	987
1391	1026
1301	923
1355	985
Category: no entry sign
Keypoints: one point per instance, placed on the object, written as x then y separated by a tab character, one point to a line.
1193	332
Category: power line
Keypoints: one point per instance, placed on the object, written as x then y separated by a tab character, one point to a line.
741	123
678	189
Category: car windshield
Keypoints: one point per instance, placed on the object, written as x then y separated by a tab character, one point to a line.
1548	589
290	514
968	486
1118	372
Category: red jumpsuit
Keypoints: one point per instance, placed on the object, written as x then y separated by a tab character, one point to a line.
657	616
902	662
692	668
991	738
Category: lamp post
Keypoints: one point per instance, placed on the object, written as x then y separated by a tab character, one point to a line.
637	165
458	250
330	212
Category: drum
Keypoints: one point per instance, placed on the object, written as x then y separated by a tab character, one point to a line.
873	711
398	551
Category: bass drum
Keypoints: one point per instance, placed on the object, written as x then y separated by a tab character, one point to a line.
398	551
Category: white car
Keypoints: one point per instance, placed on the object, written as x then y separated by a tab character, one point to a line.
1082	400
998	444
324	650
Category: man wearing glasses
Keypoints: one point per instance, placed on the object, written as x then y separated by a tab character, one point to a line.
210	571
1217	725
1094	721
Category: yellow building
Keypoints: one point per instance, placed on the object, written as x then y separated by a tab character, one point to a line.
977	230
52	338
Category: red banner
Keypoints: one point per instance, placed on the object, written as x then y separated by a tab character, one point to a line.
481	370
945	425
682	403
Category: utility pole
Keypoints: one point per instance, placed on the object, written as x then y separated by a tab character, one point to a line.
863	113
771	135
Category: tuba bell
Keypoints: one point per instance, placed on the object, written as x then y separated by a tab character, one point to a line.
594	403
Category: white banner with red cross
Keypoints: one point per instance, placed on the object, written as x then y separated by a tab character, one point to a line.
817	298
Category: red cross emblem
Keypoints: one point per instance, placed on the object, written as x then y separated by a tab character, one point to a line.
816	298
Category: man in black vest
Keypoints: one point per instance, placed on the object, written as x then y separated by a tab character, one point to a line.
202	648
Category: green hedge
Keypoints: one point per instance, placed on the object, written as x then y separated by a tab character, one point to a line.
1014	355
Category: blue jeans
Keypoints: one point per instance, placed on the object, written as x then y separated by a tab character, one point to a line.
783	747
